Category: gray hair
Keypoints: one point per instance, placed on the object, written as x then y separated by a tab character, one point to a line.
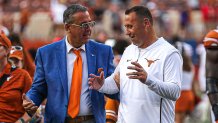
74	8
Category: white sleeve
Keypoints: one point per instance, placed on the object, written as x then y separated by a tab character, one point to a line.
171	86
110	86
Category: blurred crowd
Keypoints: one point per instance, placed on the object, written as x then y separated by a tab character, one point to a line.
34	23
190	19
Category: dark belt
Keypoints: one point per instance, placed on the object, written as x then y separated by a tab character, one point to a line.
79	119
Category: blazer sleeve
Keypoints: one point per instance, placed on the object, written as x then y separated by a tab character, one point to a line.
38	91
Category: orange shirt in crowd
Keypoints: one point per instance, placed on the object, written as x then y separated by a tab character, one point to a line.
11	91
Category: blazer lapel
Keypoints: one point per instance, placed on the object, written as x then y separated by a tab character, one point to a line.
62	64
91	57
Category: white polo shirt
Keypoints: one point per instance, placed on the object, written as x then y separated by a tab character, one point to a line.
154	101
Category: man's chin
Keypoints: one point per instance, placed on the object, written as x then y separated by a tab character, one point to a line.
134	43
85	40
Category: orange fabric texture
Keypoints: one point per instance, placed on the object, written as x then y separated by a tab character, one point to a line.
11	91
6	70
76	84
185	103
111	108
4	40
211	39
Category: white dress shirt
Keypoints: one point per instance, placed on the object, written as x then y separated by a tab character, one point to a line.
85	100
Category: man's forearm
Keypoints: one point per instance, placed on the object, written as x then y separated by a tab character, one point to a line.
109	86
167	90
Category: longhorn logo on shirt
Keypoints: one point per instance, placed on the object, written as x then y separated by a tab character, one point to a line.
151	61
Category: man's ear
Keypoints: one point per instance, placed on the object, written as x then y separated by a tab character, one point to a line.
147	22
67	27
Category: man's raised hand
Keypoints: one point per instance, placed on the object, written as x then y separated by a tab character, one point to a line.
96	82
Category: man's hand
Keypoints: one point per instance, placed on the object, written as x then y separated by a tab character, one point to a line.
139	73
28	105
96	82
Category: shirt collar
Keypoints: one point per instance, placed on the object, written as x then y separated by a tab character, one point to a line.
70	47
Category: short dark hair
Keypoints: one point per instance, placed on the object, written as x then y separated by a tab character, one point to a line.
74	8
141	11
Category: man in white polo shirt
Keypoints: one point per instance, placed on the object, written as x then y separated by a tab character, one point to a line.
149	74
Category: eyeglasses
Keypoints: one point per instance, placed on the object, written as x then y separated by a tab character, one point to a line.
17	48
85	25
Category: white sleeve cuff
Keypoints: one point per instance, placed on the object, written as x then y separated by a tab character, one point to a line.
150	80
109	86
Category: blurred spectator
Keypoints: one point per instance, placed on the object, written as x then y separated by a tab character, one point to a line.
202	109
24	15
185	18
112	20
57	10
99	8
209	9
4	29
8	22
186	47
185	103
16	56
28	62
101	36
118	49
13	83
58	32
201	72
108	14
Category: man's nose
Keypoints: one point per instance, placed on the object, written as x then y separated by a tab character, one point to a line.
127	32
